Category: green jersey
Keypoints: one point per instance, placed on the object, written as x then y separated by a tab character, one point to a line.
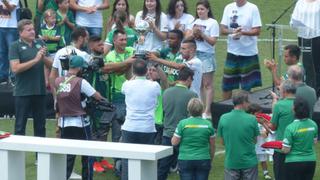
48	4
309	94
194	134
299	136
167	54
52	32
132	37
159	110
65	31
239	131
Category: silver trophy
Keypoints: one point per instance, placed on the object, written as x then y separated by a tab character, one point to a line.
142	29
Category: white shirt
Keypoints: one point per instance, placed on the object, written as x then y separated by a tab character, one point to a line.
247	17
141	99
306	18
67	51
152	41
8	19
89	20
88	90
195	64
209	27
185	20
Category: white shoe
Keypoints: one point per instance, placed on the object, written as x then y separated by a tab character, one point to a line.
75	176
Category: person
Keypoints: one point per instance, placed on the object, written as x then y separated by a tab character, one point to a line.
242	24
291	57
28	56
205	30
139	126
73	120
89	14
188	53
175	101
8	34
120	5
282	116
65	19
262	153
158	25
298	143
196	139
238	131
41	7
178	17
296	75
305	17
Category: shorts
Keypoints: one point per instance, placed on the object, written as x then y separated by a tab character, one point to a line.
208	61
241	71
262	157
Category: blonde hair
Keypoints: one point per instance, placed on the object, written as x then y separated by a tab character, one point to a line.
195	107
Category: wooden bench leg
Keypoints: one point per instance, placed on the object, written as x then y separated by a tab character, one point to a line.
12	165
52	166
142	170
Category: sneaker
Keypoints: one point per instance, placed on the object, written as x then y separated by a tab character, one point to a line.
97	167
106	164
75	176
267	177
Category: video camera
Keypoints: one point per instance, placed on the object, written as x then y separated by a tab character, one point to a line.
103	105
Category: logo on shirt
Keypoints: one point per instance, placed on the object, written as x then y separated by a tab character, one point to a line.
233	19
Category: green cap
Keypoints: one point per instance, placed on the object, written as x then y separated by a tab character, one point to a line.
77	62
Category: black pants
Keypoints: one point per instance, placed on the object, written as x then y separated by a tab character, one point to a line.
300	170
30	106
87	162
279	165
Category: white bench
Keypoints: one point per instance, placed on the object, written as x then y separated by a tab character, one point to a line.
142	159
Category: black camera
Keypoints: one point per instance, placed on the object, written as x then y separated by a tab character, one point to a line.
103	105
64	60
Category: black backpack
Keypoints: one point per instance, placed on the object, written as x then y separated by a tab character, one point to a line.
23	12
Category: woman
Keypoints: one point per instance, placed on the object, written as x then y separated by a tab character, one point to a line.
205	30
197	143
298	143
306	18
177	15
158	26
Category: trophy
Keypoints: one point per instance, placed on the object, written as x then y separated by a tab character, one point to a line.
142	29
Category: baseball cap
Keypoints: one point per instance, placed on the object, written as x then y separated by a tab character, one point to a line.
77	62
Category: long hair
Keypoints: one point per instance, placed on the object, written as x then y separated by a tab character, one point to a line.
206	4
158	12
114	8
172	7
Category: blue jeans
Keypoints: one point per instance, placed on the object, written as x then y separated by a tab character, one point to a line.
194	169
7	36
165	163
94	31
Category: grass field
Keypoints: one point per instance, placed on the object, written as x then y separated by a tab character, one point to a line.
269	10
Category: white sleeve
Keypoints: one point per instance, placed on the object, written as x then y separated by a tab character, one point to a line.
214	30
124	85
56	61
138	18
163	23
86	88
225	20
295	16
256	20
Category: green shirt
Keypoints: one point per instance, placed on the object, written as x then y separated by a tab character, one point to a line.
48	4
194	134
159	110
282	116
52	46
65	31
117	80
309	94
132	36
31	81
166	54
175	101
299	136
239	131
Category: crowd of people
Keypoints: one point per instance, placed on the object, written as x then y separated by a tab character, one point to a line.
158	71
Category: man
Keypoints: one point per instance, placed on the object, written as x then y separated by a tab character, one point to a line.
291	57
28	56
282	116
242	24
73	120
188	53
238	131
8	34
175	101
89	14
139	126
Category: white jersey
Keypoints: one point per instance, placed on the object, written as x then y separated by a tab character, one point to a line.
89	20
8	19
185	20
195	64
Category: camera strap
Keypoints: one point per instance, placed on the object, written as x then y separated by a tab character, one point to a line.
64	83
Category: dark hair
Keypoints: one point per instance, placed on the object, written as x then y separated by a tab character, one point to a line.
254	108
114	8
294	50
78	32
158	12
117	32
120	19
288	87
190	41
22	23
301	108
184	74
59	1
240	97
206	4
140	67
296	73
94	38
178	32
172	7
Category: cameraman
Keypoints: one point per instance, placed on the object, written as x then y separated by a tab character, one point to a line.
73	120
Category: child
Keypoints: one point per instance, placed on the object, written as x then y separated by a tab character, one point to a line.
262	155
66	22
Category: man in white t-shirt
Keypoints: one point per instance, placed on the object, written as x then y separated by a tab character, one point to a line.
242	24
89	14
8	34
188	52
